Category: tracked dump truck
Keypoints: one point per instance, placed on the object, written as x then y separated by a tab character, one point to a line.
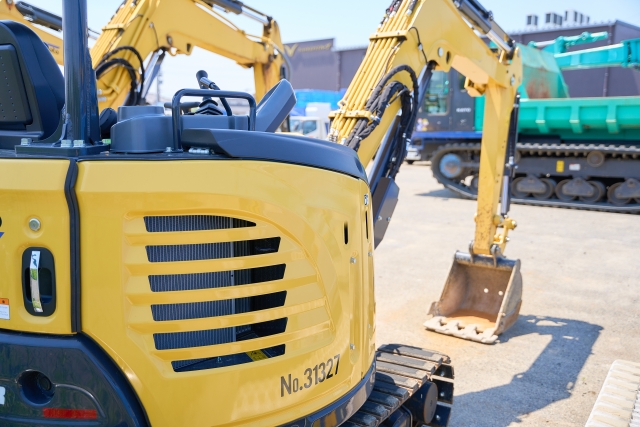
198	271
581	153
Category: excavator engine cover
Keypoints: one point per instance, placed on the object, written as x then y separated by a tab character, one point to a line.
480	300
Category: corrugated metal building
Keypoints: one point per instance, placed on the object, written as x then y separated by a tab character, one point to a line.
316	65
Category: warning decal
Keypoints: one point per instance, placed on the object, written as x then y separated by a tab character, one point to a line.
257	355
4	308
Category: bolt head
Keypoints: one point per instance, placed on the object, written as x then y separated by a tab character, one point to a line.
366	199
440	51
34	224
352	346
353	260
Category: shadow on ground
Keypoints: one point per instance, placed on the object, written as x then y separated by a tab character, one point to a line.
442	193
551	378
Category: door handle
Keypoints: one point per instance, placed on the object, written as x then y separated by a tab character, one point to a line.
34	279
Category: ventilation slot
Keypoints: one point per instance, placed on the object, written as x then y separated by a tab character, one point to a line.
177	340
346	233
196	281
230	360
164	224
206	251
198	310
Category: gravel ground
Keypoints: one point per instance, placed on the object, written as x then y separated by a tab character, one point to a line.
580	308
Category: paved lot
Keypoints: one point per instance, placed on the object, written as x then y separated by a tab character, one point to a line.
580	311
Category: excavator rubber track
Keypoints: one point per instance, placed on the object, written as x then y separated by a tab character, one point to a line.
464	184
401	371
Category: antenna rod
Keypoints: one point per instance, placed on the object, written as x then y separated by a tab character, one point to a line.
79	78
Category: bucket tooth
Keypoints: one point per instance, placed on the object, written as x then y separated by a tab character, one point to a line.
481	298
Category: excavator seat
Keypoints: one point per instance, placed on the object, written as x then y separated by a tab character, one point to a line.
31	87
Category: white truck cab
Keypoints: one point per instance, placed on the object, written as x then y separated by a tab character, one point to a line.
315	122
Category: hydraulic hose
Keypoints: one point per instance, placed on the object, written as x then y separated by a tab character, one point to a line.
386	92
106	64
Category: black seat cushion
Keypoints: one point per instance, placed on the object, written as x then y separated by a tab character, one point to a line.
32	98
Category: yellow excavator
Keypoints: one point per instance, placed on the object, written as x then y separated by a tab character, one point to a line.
483	293
142	29
202	270
146	28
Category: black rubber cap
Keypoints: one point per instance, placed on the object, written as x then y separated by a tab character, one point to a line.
108	118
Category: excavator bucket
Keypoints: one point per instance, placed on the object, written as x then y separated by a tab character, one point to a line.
480	300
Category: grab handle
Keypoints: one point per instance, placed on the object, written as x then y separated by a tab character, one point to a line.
35	283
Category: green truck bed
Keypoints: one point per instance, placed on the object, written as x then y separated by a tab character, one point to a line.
593	119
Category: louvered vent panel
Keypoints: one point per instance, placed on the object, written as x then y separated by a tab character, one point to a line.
170	253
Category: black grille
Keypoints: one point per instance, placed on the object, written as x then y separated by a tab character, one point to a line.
175	340
222	361
198	310
195	281
163	224
204	251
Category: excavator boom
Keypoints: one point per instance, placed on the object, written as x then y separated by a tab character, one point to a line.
146	28
376	118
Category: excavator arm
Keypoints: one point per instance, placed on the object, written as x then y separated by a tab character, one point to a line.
415	38
151	28
482	295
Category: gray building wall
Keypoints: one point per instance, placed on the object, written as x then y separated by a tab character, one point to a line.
314	64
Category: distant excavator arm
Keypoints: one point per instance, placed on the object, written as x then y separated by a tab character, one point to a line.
141	28
416	37
22	12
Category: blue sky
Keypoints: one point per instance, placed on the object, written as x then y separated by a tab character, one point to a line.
350	22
